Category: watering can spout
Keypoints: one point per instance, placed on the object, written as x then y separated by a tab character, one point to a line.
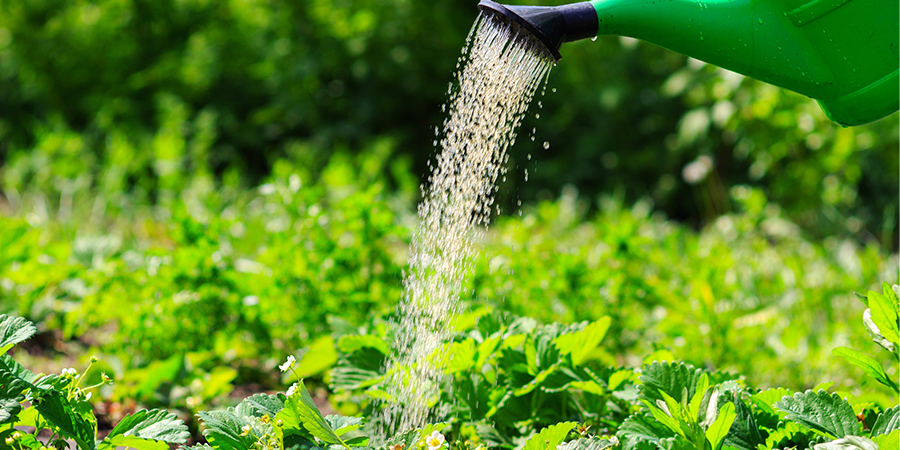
552	25
843	53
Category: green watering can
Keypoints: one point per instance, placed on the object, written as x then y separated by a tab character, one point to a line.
843	53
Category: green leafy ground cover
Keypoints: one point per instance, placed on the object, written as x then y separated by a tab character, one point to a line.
210	288
515	384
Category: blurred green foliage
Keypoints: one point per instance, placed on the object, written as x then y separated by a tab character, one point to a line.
142	96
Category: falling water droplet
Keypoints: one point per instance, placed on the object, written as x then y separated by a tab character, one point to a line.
537	116
532	139
546	145
529	156
554	89
760	20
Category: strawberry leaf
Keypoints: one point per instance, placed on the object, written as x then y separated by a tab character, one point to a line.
14	330
826	414
887	422
147	430
549	437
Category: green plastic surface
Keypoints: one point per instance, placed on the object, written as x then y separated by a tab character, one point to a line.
843	53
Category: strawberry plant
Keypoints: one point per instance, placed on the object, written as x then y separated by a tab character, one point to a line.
58	408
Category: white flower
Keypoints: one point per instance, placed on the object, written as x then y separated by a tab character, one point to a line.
292	389
435	440
289	364
69	372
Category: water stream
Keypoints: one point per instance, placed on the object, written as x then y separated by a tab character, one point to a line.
499	73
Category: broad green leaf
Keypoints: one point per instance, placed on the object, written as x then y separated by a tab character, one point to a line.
662	416
320	357
223	430
591	443
549	437
868	365
486	349
641	428
348	378
786	434
887	422
716	432
619	377
764	401
888	441
826	414
147	430
353	342
745	433
580	344
848	443
10	408
301	406
884	315
676	443
670	378
14	330
538	379
263	404
461	356
343	424
699	392
57	410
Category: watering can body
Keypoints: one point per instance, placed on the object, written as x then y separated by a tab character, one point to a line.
843	53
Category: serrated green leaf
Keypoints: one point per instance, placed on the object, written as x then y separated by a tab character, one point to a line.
745	433
301	407
343	424
868	365
549	437
716	432
764	401
641	428
888	441
670	378
826	414
848	443
57	410
591	443
223	430
10	408
348	378
887	422
676	443
147	430
580	344
264	404
14	330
